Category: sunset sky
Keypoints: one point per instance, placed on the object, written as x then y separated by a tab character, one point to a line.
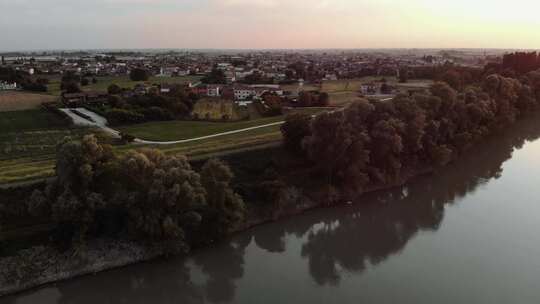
74	24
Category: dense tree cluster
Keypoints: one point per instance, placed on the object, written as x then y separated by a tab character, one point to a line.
23	79
374	143
313	99
153	106
521	62
139	74
217	76
143	194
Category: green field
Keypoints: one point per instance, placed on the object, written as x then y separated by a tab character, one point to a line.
178	130
122	81
28	120
28	143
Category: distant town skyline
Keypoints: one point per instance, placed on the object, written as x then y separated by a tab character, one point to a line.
268	24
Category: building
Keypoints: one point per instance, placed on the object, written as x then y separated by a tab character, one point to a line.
5	86
243	92
72	100
213	90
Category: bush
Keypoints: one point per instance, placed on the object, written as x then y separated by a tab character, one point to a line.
114	89
156	113
127	138
139	74
120	116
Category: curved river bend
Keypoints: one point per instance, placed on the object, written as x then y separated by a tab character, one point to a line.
467	234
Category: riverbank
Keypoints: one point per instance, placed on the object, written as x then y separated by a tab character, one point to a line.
41	265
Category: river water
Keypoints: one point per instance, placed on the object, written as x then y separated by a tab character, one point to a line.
469	233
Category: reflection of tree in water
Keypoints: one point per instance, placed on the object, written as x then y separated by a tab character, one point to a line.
165	281
157	282
224	269
383	223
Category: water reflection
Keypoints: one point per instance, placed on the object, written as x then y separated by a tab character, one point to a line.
331	240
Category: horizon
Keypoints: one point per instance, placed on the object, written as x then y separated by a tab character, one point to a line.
268	24
142	50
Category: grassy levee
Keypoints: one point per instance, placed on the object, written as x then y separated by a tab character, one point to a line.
30	155
179	130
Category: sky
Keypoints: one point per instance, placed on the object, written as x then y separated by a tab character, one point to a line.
262	24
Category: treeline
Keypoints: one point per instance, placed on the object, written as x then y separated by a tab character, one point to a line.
142	195
374	143
23	79
147	107
521	62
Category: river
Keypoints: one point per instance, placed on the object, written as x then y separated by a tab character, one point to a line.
468	233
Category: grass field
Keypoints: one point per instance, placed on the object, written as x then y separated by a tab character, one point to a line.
178	130
29	120
214	147
28	143
122	81
16	100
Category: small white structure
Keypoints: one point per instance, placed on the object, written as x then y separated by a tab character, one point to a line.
5	86
243	93
213	91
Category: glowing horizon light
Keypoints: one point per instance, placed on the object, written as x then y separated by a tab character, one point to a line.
54	24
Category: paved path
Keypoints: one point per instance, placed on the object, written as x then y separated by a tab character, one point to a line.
97	120
100	122
148	142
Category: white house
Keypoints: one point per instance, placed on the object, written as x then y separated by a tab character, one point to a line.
243	93
213	90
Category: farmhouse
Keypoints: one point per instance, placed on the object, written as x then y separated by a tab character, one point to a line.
85	98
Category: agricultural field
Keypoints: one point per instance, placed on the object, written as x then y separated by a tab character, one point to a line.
122	81
28	143
16	100
28	120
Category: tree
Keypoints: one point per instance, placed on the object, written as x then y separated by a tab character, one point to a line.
216	76
114	89
159	193
229	207
324	99
295	129
453	79
403	75
70	87
306	99
139	74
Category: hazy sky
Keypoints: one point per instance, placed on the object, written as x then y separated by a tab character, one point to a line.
75	24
